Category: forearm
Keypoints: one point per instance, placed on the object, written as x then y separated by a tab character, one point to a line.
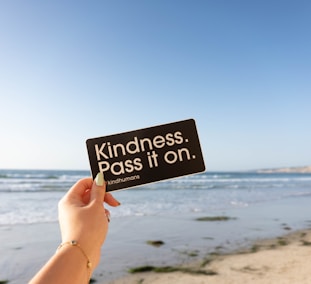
82	218
67	265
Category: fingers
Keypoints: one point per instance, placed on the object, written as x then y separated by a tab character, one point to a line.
99	191
98	188
110	200
79	188
107	215
88	190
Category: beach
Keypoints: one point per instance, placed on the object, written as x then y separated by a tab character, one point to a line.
232	226
198	256
283	260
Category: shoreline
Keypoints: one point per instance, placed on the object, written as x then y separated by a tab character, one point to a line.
284	259
286	170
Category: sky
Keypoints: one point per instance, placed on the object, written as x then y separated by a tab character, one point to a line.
73	70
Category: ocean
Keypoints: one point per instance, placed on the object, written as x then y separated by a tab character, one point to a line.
31	196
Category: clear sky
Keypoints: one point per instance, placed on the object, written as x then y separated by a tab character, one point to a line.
72	70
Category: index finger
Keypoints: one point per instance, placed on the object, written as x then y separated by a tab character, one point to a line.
80	187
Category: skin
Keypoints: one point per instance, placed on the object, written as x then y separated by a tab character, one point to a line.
83	218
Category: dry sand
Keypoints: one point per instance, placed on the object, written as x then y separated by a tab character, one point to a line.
282	260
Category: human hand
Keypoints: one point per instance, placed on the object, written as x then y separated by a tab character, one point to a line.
82	215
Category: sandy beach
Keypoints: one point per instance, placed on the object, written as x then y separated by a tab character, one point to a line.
281	260
284	259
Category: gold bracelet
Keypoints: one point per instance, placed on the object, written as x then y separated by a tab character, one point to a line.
76	244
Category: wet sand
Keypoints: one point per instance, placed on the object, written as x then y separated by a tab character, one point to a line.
281	260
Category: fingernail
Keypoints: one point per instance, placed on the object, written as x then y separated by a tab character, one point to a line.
117	202
108	216
99	180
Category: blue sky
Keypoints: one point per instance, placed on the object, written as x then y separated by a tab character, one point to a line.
72	70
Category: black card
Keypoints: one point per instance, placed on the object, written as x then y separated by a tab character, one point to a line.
147	155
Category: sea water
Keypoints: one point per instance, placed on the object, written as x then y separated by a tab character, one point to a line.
31	196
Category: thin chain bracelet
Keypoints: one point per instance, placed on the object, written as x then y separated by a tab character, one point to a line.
76	244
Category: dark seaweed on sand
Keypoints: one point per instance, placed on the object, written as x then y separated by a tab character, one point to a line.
157	243
215	218
168	269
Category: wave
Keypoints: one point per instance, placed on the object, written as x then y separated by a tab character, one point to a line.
36	177
45	181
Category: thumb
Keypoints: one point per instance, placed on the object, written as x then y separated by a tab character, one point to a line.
98	188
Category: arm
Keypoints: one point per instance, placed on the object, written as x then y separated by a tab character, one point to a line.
83	219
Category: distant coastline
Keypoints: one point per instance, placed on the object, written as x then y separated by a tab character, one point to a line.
301	170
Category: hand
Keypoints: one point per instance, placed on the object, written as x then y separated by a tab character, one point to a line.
82	215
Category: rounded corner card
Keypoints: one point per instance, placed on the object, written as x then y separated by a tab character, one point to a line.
146	155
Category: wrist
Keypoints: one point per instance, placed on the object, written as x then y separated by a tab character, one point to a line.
76	248
91	249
